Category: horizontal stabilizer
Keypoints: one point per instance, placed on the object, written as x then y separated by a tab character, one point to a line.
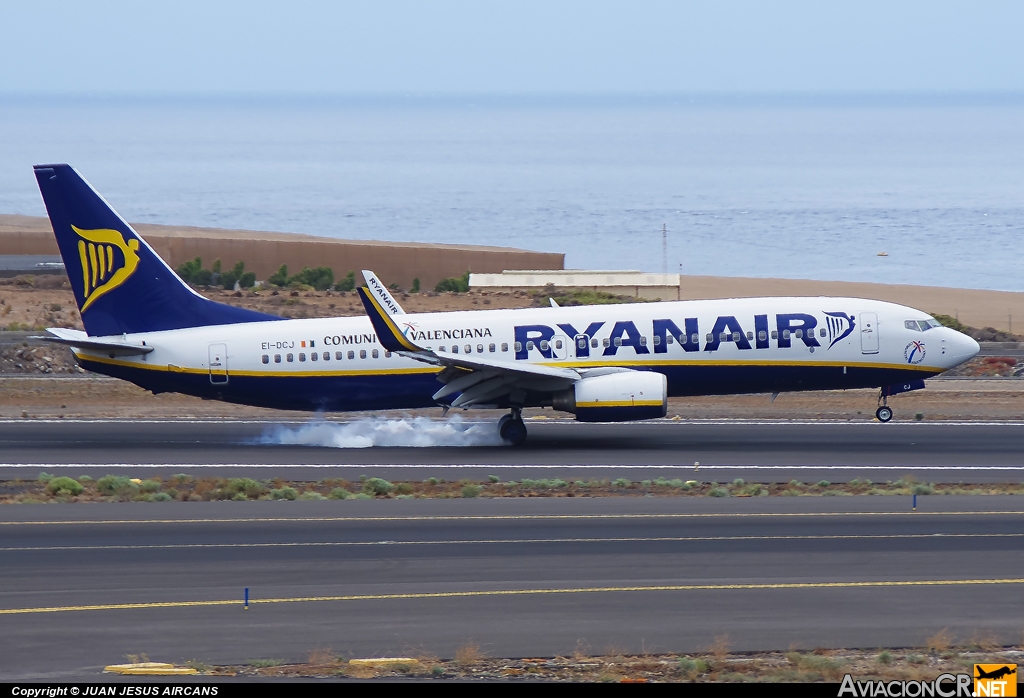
80	340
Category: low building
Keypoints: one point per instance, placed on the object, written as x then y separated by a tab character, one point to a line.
621	283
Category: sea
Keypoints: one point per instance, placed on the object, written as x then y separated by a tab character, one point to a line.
893	188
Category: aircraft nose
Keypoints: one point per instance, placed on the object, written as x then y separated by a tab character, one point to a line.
961	348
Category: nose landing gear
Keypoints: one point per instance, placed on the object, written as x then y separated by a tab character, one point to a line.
511	428
884	412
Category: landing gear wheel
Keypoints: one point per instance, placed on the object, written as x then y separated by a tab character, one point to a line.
883	413
512	430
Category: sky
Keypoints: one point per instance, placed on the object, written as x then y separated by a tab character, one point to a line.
525	46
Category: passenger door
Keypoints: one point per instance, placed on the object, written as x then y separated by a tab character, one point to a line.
868	333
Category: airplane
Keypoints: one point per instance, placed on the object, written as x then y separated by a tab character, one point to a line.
604	363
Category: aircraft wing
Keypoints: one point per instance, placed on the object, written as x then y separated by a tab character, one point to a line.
480	380
80	340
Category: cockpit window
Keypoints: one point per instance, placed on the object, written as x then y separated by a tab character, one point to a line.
911	325
921	325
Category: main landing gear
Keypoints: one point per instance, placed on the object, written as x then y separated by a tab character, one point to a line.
511	428
884	412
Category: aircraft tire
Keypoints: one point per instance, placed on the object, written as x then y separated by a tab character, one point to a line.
883	414
512	431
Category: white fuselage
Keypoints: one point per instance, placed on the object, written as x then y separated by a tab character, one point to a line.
704	347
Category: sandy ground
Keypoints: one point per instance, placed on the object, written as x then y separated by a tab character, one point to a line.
87	396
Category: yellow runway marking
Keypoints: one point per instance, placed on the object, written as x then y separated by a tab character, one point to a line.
517	592
516	517
515	541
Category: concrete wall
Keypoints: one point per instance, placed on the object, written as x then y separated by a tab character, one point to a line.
263	253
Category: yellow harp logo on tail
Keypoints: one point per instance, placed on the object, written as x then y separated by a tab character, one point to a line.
107	261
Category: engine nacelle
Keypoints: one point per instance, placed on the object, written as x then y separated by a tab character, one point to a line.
616	397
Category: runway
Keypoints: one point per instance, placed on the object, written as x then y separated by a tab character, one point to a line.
755	451
82	586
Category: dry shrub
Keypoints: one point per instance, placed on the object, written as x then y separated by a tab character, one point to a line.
719	649
582	650
322	657
469	654
940	641
986	640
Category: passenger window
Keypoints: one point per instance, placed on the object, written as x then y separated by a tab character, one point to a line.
519	346
362	353
695	338
581	343
302	356
289	358
558	344
762	335
479	348
724	337
375	354
604	342
266	359
455	348
593	342
504	346
313	356
544	345
775	334
468	348
529	345
710	337
490	348
668	339
735	336
750	336
643	341
785	334
327	356
387	355
339	355
351	354
799	334
657	340
441	349
822	332
618	341
277	358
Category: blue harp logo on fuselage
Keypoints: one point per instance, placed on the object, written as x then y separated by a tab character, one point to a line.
107	261
840	325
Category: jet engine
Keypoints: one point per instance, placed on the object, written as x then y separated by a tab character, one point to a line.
616	397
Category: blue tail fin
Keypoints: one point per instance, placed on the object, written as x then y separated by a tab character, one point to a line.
121	285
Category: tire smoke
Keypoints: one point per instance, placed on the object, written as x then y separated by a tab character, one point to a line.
418	432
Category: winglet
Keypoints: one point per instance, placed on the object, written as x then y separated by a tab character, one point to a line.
390	337
378	289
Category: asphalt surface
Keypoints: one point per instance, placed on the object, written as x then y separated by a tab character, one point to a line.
754	451
81	586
